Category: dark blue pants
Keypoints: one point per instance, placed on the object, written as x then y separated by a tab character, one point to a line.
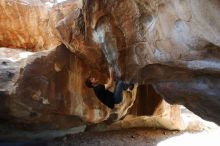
120	86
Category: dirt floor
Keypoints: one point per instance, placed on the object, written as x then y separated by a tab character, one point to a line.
127	137
130	137
199	132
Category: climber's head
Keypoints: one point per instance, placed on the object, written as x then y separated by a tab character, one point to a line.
91	82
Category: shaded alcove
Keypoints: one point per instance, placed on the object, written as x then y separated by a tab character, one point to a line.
147	100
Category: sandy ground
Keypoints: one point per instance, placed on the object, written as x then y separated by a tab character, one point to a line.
130	137
198	133
140	137
126	137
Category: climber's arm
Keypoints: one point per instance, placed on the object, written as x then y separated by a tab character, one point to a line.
109	83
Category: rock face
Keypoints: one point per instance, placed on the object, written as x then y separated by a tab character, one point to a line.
26	25
46	90
49	86
171	45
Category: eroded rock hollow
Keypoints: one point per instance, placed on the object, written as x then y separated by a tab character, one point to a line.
169	49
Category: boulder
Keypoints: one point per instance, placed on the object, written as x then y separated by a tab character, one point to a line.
26	24
170	46
174	45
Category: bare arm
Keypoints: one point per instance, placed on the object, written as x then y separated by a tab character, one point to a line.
110	79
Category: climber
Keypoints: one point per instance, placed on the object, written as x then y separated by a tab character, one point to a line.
102	91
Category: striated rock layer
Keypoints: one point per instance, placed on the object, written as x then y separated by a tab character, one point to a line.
26	24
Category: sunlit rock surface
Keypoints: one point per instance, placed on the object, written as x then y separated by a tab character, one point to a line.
26	24
172	46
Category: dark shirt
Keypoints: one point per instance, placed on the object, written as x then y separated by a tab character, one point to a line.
105	96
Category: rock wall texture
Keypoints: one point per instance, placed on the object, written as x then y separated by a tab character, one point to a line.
26	25
46	90
172	45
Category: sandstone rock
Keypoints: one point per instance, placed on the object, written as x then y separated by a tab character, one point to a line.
26	24
150	110
41	96
173	45
166	43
